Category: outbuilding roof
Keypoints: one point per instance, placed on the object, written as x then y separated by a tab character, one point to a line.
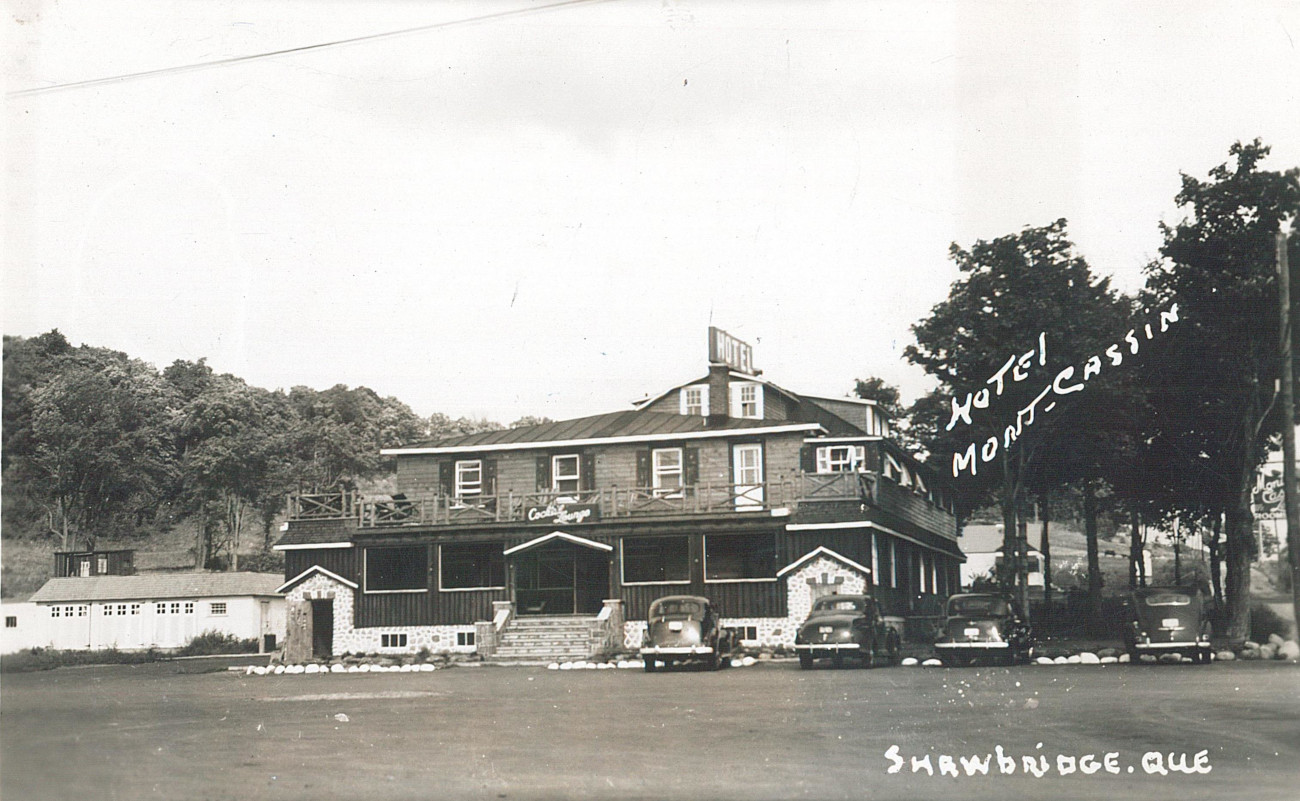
152	586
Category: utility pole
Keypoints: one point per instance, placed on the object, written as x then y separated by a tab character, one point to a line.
1288	420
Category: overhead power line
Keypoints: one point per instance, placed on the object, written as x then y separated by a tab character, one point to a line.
224	62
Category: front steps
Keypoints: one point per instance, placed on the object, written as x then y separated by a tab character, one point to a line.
559	638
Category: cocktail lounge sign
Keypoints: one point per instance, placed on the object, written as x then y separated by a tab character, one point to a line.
560	512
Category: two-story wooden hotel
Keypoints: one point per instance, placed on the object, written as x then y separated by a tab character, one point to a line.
552	540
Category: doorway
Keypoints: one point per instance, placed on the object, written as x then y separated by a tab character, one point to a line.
322	628
560	578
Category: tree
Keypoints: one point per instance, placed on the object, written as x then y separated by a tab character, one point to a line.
530	420
1026	309
1215	401
99	442
443	427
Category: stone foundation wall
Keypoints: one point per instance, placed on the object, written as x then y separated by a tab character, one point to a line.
770	631
350	640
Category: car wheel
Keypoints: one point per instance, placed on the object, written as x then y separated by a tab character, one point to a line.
869	655
712	662
649	666
805	660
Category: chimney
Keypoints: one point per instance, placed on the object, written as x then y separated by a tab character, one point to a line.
719	394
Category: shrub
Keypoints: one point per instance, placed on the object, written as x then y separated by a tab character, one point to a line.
1264	621
32	659
215	642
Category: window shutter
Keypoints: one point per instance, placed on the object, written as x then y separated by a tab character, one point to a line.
543	473
643	469
808	458
690	466
587	471
489	476
446	476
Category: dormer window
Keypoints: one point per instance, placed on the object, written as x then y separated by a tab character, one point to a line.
746	401
695	400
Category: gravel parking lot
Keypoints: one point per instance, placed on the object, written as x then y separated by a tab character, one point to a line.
767	731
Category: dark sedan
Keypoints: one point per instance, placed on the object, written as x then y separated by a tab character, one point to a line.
981	626
1167	620
685	627
846	625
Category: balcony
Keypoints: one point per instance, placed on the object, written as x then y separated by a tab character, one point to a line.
584	506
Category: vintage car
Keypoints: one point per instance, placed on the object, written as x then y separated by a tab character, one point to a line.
846	625
685	627
983	627
1167	620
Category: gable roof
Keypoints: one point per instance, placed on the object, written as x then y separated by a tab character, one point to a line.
311	571
733	374
822	550
154	586
627	425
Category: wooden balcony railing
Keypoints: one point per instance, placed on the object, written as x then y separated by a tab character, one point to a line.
582	506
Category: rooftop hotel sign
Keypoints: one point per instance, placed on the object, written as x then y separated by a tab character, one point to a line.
726	349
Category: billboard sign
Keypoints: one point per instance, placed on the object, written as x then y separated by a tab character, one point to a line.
726	349
1268	496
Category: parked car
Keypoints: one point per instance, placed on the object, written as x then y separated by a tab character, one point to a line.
685	627
983	626
1166	620
846	625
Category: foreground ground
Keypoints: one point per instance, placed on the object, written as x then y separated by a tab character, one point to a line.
768	731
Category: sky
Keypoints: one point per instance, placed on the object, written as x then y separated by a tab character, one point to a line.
531	208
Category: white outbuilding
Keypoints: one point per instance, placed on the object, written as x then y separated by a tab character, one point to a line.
159	610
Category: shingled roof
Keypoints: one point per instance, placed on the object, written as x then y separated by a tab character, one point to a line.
154	586
633	423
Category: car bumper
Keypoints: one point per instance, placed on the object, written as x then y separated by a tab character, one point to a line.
677	650
963	645
828	647
1164	646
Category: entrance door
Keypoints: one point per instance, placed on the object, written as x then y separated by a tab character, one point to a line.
747	469
560	579
322	628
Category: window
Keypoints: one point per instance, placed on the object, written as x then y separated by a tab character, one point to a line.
392	640
160	609
189	607
121	610
56	611
746	401
397	569
695	400
11	622
108	610
740	557
841	458
472	566
469	478
135	609
656	560
667	471
464	638
101	565
81	611
742	633
85	568
175	608
564	473
217	608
